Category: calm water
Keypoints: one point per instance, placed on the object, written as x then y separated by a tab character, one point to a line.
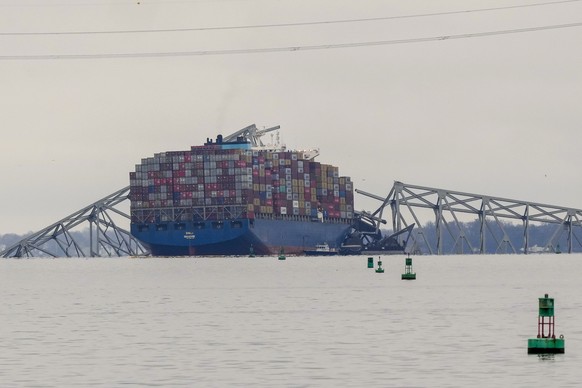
303	322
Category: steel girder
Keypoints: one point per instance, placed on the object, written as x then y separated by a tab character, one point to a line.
106	237
406	202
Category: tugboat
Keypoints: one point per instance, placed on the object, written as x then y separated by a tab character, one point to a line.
321	250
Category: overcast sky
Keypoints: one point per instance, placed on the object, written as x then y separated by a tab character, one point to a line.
496	114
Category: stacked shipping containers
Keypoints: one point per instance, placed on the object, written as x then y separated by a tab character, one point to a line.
264	183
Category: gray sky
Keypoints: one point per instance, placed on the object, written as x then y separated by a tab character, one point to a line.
496	115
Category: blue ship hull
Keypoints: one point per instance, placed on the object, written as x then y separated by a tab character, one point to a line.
236	237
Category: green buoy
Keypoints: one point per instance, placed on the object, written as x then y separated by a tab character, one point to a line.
282	254
370	262
379	269
251	251
408	274
546	342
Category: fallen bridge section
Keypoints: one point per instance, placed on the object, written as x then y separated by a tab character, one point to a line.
446	210
100	220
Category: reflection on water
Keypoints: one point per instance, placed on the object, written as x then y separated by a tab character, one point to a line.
547	357
300	322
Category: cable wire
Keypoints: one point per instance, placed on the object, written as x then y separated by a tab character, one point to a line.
283	49
297	24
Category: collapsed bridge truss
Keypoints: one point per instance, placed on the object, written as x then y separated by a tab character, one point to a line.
437	213
106	237
448	234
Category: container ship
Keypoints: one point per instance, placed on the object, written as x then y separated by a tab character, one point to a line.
235	195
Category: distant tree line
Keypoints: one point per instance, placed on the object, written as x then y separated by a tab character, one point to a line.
504	237
540	237
81	237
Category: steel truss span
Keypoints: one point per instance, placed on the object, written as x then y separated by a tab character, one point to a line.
106	237
440	217
448	232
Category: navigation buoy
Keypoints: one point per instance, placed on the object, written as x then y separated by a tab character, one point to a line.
408	274
251	251
370	262
546	342
379	269
282	254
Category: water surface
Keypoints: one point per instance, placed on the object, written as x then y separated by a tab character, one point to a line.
302	322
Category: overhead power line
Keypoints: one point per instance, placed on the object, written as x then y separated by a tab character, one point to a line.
296	24
287	48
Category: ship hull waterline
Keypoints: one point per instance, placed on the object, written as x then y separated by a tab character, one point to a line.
236	237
